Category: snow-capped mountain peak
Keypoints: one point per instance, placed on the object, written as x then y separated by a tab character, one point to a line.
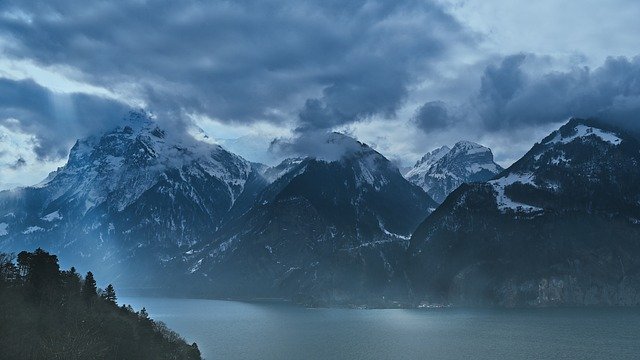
340	150
422	166
125	162
581	151
443	170
582	132
138	186
469	148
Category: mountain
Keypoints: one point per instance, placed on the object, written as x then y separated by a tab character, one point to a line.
325	231
7	186
443	170
137	196
422	166
561	226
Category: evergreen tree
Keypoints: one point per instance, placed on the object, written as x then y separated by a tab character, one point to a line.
72	281
144	314
41	273
8	271
110	294
89	288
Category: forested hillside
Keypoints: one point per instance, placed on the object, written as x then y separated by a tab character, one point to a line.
46	313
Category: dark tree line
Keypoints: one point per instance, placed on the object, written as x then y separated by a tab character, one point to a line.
46	313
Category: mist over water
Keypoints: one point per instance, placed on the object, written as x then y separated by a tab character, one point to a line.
239	330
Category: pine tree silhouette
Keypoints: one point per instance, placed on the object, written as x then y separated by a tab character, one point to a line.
110	294
89	288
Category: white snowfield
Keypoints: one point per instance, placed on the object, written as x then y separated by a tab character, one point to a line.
52	216
507	204
583	131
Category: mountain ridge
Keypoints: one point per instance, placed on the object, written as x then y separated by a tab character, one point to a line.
541	233
325	232
442	170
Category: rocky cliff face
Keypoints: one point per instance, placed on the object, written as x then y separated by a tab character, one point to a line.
560	226
443	170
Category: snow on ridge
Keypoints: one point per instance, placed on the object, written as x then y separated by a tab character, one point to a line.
32	229
389	233
503	201
512	178
195	266
559	159
424	164
476	168
582	131
52	216
469	147
368	172
274	173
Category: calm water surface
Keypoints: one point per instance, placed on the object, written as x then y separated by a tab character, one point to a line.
238	330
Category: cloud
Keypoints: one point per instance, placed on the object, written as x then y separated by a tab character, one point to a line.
328	146
19	163
433	115
510	97
319	63
55	120
520	92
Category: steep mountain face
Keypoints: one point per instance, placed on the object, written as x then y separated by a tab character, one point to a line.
324	231
137	196
560	226
417	172
443	170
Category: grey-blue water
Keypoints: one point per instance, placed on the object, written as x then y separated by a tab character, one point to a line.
238	330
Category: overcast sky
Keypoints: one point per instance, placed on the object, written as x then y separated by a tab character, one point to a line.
403	76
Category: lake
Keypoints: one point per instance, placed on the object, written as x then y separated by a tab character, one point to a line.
271	330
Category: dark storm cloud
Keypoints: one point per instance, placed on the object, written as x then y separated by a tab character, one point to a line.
516	93
325	62
54	119
433	115
511	97
20	162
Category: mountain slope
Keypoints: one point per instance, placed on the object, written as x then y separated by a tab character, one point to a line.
136	196
560	226
443	170
323	232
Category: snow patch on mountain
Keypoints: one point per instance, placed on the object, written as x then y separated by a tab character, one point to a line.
285	167
389	233
32	229
507	204
476	168
368	171
583	131
510	179
422	166
52	216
